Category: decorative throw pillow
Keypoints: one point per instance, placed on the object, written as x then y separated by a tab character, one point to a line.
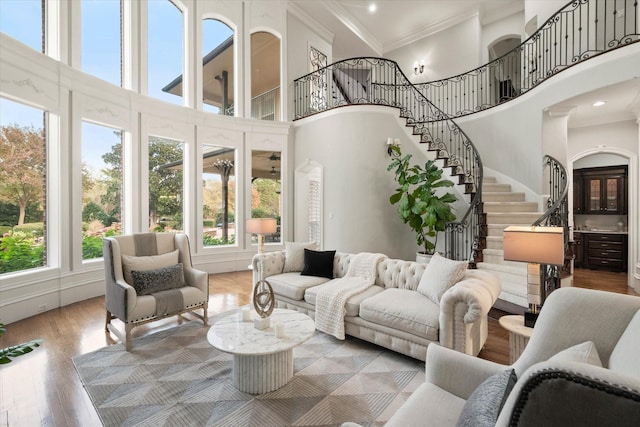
294	255
583	353
150	281
142	263
318	263
441	273
485	403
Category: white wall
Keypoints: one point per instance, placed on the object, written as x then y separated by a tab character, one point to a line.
512	25
541	9
446	53
623	135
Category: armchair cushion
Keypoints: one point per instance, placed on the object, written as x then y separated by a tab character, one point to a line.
148	282
294	255
584	353
485	403
441	274
624	357
143	263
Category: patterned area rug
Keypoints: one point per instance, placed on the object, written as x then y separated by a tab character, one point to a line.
175	378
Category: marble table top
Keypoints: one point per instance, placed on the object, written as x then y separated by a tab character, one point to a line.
231	335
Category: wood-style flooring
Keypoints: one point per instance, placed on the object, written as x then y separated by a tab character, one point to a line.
43	389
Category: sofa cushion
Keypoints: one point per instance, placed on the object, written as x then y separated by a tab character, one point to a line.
142	263
486	401
318	263
624	357
353	304
583	353
428	405
161	279
404	310
441	273
294	255
293	285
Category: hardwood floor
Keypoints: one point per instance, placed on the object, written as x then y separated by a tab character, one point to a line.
42	388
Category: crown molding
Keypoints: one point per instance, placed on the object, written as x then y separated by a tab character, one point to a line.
353	25
431	30
322	31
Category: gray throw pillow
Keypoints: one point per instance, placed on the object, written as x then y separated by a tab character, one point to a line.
148	282
486	401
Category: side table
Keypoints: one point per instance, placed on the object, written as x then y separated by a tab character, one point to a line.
518	335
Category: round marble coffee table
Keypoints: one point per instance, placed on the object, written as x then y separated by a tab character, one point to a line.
262	362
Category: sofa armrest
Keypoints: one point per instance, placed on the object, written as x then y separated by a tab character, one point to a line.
558	392
458	373
463	311
267	264
197	278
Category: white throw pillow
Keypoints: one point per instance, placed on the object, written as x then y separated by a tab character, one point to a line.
441	274
583	353
294	255
143	263
624	357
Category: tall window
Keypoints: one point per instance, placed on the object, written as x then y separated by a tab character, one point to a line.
165	58
219	195
22	20
101	39
101	187
22	187
265	188
165	184
217	67
265	76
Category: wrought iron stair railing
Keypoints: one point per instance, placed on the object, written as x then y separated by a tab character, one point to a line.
381	82
579	31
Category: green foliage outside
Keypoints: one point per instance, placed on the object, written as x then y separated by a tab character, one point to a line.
35	229
217	241
20	251
91	247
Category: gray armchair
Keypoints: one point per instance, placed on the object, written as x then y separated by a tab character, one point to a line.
149	276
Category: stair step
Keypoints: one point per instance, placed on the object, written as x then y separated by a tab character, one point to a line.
510	206
513	218
494	188
494	242
496	230
513	281
502	196
496	256
489	180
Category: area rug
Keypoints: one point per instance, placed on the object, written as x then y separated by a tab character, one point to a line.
175	378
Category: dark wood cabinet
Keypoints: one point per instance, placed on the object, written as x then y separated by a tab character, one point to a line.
601	191
601	251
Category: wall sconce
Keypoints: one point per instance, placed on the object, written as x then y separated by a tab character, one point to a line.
392	145
543	249
418	68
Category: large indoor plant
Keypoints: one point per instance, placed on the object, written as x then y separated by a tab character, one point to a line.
418	204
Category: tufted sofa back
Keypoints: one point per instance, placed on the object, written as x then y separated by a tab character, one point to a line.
392	273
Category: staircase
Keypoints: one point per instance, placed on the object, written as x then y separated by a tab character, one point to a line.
503	208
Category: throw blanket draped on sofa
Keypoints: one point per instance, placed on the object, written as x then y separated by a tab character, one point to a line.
332	297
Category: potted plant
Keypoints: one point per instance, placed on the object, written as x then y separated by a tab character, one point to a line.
17	350
418	204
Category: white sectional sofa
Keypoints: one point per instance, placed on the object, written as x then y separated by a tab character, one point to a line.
392	313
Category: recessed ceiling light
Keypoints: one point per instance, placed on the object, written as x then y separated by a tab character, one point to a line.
599	103
372	7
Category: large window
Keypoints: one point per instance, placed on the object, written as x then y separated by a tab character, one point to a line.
165	41
101	42
101	187
22	20
217	67
22	187
219	195
265	76
165	184
265	188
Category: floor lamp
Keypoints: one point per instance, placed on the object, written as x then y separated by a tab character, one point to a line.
541	247
260	227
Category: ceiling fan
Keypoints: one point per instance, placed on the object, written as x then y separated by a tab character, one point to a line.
274	157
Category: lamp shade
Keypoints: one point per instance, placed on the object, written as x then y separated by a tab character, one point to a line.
261	226
542	245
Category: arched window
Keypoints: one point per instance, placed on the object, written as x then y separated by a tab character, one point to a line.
165	51
22	20
217	67
101	54
265	76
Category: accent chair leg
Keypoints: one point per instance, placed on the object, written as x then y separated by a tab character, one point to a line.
127	336
205	314
107	321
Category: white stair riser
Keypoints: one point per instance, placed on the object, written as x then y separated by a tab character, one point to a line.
489	180
494	242
494	188
504	207
502	197
513	218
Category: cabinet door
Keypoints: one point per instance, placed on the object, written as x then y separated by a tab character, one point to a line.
611	195
577	239
593	190
578	195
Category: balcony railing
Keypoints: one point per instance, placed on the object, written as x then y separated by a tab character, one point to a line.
266	106
579	31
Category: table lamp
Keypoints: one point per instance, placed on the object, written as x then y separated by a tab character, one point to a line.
540	247
260	227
